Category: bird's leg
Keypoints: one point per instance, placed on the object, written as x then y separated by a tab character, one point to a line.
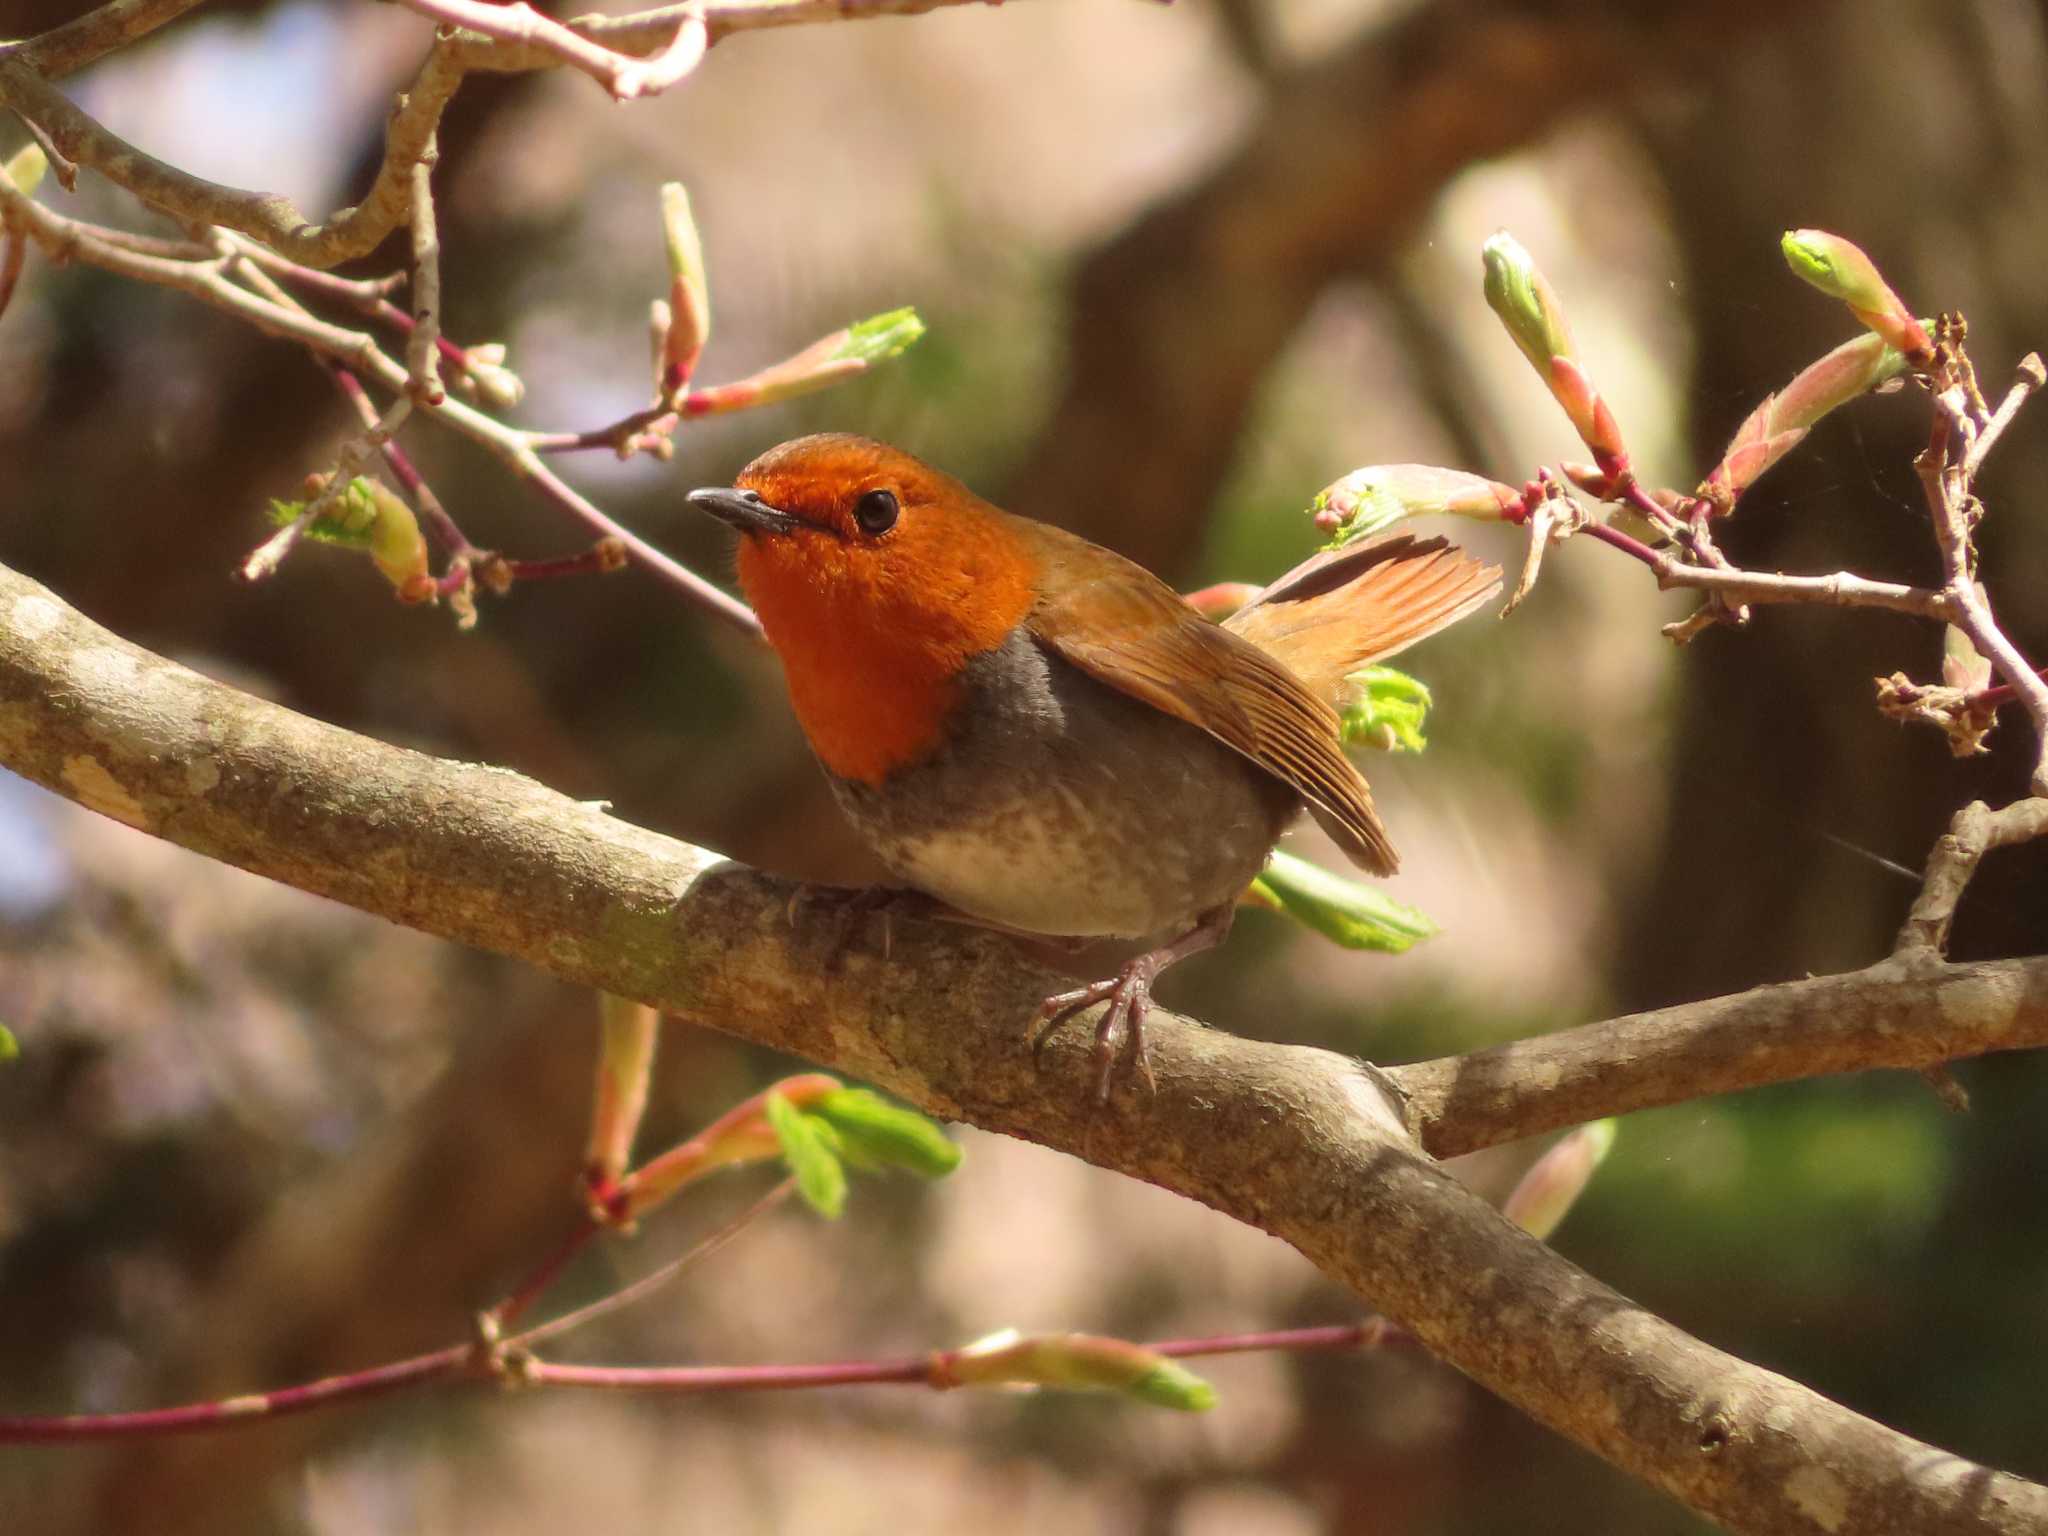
855	907
1129	994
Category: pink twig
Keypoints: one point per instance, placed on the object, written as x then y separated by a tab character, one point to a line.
622	75
653	420
403	470
531	1289
229	1412
707	596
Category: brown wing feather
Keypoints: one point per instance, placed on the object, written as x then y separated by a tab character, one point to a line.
1342	609
1123	626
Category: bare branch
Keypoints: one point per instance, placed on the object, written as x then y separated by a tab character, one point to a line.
265	216
1974	832
2031	376
422	347
68	239
625	77
1302	1143
668	34
1955	448
97	33
1841	589
1890	1015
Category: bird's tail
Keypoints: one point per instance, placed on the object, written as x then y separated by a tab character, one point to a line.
1340	610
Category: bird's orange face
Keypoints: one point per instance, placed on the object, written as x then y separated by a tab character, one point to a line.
876	578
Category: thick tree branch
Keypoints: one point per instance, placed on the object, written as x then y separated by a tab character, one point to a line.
99	32
1903	1013
1302	1143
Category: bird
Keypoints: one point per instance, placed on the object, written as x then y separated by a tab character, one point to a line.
1044	736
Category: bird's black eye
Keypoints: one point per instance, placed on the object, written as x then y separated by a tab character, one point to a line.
875	512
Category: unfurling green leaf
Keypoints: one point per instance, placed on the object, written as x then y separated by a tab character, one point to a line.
880	337
1519	294
826	361
820	1176
10	1047
1169	1384
873	1130
1387	710
1352	914
1839	268
368	515
1080	1361
1842	270
1380	495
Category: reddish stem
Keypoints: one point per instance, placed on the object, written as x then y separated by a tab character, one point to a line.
344	291
530	1290
1628	544
466	1361
2001	693
1642	501
188	1418
406	473
605	555
655	419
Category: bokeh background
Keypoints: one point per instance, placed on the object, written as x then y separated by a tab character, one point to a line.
1182	266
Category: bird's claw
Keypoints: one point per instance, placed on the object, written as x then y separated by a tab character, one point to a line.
1129	994
855	907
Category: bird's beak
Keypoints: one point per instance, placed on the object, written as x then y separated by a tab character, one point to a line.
745	510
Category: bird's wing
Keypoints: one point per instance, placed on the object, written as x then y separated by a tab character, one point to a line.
1341	609
1124	627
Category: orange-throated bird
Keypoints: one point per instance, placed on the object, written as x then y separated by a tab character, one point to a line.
1042	734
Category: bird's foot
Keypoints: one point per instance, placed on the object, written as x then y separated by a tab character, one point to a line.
1129	995
854	908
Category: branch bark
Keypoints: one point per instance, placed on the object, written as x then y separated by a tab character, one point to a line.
1304	1144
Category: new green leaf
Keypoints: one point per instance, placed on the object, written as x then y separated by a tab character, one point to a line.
1352	914
873	1130
820	1176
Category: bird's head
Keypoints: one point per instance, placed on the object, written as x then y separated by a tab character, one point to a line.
876	578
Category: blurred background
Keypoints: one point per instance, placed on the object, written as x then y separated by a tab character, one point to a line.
1182	267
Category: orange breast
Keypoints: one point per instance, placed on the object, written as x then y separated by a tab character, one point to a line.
872	637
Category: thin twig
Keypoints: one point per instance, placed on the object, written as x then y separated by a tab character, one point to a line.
1974	831
1955	444
2032	375
422	357
264	560
205	280
648	1284
1840	589
403	470
354	231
